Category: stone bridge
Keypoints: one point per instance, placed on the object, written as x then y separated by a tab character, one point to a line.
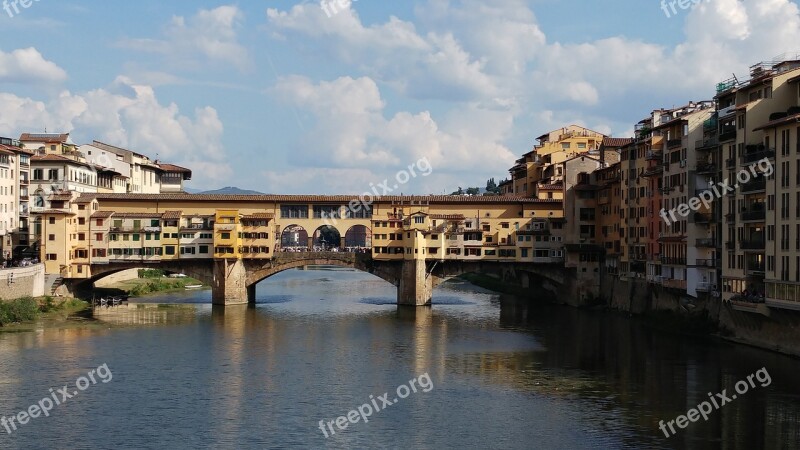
234	281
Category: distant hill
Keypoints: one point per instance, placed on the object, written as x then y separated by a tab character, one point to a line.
230	190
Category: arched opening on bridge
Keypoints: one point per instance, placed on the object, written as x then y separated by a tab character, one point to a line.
294	237
358	238
326	238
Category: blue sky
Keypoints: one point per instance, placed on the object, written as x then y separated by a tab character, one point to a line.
278	97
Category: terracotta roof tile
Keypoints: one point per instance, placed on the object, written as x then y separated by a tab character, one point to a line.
139	215
173	168
259	216
59	212
447	216
49	138
102	214
616	142
61	197
409	200
171	215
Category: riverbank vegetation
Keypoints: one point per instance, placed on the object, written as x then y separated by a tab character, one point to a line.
28	309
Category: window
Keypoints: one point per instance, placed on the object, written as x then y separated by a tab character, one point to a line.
52	257
81	236
99	222
81	221
203	249
419	219
225	236
51	237
51	220
136	236
169	249
98	236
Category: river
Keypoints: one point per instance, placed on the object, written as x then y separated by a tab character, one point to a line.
489	371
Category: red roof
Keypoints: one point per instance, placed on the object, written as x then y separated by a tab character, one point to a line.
173	168
616	142
47	138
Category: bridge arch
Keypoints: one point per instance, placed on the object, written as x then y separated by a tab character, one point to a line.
327	237
358	236
287	261
294	236
201	270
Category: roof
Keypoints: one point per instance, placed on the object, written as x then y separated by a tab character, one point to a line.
171	215
116	150
48	138
102	214
551	187
61	197
139	215
59	212
793	79
259	216
409	200
173	168
58	158
7	150
616	142
448	216
778	122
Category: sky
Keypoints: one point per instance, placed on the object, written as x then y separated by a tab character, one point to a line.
285	97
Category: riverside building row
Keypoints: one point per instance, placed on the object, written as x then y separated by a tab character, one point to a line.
37	166
742	246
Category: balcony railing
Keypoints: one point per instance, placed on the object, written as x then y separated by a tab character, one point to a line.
652	171
755	268
706	243
705	263
654	155
748	158
752	244
727	134
704	218
707	144
673	143
706	168
758	184
672	261
752	215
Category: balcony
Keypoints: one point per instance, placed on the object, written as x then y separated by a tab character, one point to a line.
730	245
674	143
23	181
710	125
672	261
704	218
755	268
759	184
654	155
225	227
706	168
752	157
707	144
710	263
666	190
706	243
727	134
653	171
752	244
753	215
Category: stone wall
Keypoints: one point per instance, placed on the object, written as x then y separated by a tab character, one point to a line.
22	282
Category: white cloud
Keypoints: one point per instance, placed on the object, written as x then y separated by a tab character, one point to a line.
208	36
351	131
27	65
128	115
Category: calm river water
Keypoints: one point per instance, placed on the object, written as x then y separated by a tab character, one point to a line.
504	373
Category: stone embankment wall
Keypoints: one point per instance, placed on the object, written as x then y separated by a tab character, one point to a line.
21	282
